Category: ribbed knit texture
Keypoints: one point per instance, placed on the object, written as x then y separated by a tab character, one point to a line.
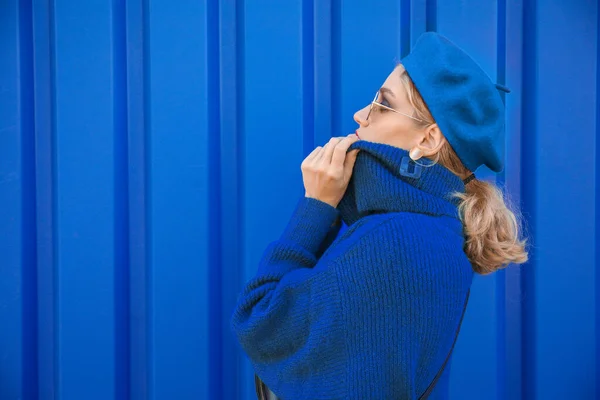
371	313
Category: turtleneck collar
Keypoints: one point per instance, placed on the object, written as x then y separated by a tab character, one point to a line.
378	185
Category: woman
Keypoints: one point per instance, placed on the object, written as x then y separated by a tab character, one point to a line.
374	312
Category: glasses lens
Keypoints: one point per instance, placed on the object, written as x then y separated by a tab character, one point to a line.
371	106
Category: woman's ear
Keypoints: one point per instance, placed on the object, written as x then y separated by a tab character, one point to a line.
432	141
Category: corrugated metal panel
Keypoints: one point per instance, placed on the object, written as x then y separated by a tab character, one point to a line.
562	327
151	150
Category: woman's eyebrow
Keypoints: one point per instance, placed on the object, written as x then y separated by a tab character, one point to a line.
386	90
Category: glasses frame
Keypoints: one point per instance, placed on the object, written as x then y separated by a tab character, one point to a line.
375	102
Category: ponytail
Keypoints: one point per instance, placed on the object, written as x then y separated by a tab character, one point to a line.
492	228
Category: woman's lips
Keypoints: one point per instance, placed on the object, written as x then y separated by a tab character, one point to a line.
356	133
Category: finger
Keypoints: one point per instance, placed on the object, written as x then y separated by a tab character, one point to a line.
319	155
309	161
313	154
328	150
339	154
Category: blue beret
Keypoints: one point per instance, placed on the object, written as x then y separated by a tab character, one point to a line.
462	98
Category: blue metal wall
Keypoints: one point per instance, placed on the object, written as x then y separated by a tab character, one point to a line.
149	151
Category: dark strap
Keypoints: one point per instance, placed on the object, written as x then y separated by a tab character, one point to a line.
261	388
439	374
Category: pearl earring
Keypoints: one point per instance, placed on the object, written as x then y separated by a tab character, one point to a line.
415	153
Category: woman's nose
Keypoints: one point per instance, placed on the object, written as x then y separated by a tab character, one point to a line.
361	116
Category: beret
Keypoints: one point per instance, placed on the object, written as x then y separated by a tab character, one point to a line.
462	99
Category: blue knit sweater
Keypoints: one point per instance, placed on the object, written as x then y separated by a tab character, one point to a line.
371	312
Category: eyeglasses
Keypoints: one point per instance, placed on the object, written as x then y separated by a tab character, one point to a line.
375	102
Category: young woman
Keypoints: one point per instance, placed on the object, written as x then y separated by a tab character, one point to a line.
374	312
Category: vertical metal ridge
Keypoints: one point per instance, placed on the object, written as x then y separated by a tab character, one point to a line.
54	204
29	312
514	105
417	20
501	46
239	185
121	203
136	80
597	200
336	67
147	195
501	178
431	16
308	76
45	177
322	78
405	27
215	267
528	191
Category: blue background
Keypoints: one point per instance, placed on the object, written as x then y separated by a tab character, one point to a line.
149	151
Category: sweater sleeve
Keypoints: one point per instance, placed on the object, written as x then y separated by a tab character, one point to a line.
302	241
291	291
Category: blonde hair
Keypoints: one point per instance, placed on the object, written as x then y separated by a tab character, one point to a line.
491	227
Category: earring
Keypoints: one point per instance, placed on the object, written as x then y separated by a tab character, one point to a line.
410	169
415	154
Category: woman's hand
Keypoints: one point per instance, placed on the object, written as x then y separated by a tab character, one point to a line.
327	170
